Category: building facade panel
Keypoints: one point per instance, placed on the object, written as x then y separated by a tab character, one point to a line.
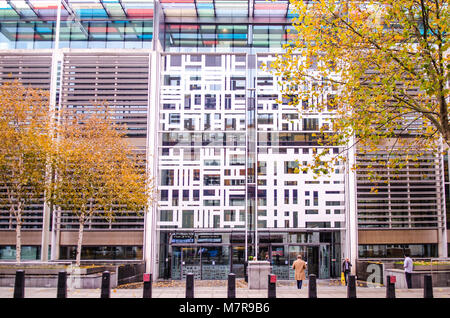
186	79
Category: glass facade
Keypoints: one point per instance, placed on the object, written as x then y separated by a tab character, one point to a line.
185	77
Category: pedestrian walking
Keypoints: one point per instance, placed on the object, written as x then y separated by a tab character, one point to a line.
299	266
408	266
346	268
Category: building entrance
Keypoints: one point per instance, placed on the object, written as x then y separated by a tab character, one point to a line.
205	262
282	257
214	256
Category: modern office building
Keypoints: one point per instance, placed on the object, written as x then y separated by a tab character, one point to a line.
185	77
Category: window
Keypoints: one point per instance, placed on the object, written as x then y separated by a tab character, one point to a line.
227	101
318	224
196	195
187	101
175	60
196	174
172	80
164	195
211	180
166	215
213	60
229	215
262	198
310	124
290	167
237	83
197	99
175	197
316	198
262	167
167	177
211	202
210	101
188	219
230	123
174	118
332	203
196	58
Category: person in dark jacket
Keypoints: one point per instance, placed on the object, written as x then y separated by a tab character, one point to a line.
346	269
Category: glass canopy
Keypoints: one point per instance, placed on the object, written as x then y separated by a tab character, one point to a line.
31	24
132	9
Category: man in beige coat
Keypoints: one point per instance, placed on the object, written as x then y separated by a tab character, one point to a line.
299	266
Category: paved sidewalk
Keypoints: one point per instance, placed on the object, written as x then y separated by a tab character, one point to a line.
284	290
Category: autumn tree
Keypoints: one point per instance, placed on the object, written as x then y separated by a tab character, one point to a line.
96	172
379	69
25	143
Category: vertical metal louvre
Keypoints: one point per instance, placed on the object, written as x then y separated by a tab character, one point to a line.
31	70
121	82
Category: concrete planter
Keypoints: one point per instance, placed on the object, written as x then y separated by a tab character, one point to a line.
258	274
47	275
429	268
439	278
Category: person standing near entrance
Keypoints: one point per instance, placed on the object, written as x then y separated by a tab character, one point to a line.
408	266
346	268
299	266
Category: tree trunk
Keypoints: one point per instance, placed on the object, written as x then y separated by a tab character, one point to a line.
19	233
80	240
18	241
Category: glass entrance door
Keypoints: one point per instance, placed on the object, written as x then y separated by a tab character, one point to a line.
215	262
312	259
280	264
294	251
316	257
190	262
176	263
238	260
324	270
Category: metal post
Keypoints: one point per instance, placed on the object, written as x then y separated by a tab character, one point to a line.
189	285
105	293
351	286
62	285
312	286
427	286
19	284
272	287
390	287
147	286
231	285
245	271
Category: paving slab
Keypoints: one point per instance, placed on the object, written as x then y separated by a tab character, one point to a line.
218	289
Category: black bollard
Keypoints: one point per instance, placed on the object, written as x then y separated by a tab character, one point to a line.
312	286
147	286
272	287
390	286
231	285
19	285
245	272
106	278
190	285
351	286
427	286
62	285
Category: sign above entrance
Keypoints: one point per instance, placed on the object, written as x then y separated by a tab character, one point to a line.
209	239
182	238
